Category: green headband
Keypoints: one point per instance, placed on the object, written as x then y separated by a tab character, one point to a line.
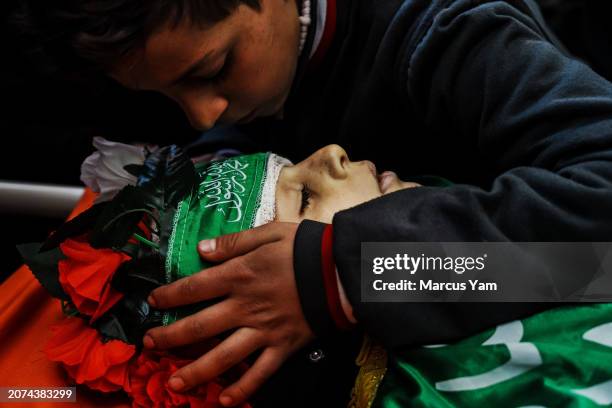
233	195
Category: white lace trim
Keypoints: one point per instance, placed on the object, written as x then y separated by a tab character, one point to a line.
267	205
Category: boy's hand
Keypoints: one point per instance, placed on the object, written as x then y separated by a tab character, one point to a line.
261	304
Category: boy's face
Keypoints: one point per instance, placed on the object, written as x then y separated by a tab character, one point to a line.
230	72
327	182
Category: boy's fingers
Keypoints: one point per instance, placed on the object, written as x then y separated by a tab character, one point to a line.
266	365
206	284
222	357
202	325
232	245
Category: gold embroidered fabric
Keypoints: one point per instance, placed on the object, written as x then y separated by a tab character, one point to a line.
372	360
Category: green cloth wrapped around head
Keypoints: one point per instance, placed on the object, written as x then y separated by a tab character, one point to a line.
233	195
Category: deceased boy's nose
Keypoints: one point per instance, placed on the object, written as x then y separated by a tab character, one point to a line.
335	159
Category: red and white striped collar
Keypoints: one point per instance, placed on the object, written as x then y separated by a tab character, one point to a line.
325	28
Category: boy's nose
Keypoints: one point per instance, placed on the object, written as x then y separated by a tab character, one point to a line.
203	110
336	160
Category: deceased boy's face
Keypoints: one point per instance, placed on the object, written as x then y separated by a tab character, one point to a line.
328	182
229	72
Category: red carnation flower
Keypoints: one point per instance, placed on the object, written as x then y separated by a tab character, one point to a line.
86	275
149	376
100	366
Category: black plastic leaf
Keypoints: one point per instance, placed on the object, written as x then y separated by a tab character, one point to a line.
167	176
131	249
44	266
110	328
119	220
139	276
79	225
132	316
129	320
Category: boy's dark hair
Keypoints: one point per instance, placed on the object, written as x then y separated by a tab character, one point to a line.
87	36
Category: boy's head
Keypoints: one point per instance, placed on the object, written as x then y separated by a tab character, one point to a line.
222	61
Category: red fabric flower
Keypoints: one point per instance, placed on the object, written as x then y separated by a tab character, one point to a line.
100	366
149	376
86	275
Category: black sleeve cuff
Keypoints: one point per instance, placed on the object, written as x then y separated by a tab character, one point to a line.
309	277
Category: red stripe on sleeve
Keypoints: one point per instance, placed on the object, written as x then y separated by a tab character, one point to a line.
328	269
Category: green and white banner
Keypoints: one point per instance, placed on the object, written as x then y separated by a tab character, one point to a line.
559	358
232	195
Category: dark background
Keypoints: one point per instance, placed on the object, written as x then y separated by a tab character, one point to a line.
46	129
47	124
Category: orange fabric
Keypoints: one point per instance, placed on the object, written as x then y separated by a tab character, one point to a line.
26	314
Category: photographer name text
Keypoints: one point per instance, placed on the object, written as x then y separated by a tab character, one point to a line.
413	265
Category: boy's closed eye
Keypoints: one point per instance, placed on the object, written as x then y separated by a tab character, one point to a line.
305	199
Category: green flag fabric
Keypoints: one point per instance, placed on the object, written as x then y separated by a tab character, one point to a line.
233	195
559	358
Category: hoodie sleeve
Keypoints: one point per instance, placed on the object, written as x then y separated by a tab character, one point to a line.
491	71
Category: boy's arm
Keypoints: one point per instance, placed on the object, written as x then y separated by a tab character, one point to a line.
489	71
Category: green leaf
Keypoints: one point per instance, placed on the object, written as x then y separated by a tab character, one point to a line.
44	266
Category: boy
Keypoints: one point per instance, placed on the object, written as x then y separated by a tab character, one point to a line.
478	91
